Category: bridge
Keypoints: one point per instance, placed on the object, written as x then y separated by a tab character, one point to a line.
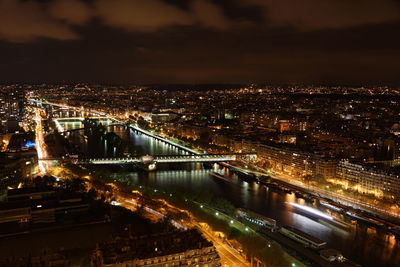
157	158
151	161
82	118
61	129
41	103
165	140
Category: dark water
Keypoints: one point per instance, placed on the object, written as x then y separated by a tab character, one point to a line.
362	244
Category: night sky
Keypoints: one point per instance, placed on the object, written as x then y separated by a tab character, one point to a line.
201	41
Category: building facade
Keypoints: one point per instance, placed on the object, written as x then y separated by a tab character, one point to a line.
186	248
287	161
367	180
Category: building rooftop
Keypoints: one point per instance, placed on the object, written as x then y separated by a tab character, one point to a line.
150	246
28	191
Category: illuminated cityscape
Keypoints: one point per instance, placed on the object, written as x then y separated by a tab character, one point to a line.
199	133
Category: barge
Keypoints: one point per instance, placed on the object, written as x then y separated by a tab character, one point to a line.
306	239
255	218
327	205
366	220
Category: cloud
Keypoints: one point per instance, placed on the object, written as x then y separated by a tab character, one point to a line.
72	11
152	15
209	15
28	21
141	15
325	14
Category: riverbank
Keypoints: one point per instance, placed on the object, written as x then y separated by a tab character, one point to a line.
347	203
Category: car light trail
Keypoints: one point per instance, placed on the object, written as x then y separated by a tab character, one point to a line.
58	125
40	144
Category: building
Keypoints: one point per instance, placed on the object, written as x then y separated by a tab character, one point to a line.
284	126
13	170
180	248
288	161
32	205
162	117
326	168
12	105
369	180
50	259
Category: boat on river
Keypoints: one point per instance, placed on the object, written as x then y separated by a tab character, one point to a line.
302	237
366	220
327	205
255	218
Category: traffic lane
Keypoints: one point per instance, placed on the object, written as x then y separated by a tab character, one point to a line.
227	254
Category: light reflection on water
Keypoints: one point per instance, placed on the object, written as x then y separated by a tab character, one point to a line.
310	226
364	245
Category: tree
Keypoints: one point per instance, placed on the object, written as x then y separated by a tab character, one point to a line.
92	194
45	181
205	138
224	205
234	233
143	123
76	185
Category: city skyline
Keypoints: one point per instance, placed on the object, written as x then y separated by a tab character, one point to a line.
208	133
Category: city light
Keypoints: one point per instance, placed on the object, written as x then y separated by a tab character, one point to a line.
29	144
287	152
40	143
311	210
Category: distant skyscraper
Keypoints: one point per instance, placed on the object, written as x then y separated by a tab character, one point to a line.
12	105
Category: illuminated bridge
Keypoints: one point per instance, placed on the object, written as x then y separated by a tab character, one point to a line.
82	118
158	159
77	110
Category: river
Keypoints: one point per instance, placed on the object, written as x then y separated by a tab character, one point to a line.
362	244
